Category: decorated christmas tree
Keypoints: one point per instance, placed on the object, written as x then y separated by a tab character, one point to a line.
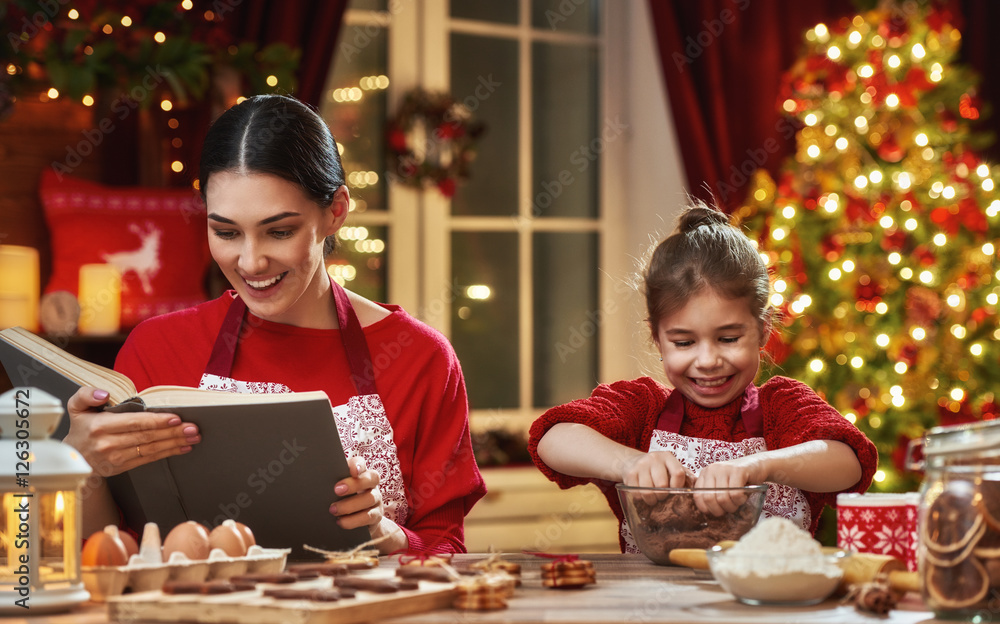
882	231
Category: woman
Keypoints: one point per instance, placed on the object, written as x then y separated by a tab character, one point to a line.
273	186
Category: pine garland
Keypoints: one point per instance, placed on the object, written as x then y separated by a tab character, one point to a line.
83	47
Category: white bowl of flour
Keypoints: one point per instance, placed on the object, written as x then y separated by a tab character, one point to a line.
777	562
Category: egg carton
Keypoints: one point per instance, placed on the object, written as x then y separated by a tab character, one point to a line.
147	571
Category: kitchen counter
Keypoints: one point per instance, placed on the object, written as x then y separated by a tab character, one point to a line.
629	588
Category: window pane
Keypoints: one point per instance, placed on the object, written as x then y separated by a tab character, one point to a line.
354	106
566	142
489	89
575	16
566	315
360	260
484	323
503	11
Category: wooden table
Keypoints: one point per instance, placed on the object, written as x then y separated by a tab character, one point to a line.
629	589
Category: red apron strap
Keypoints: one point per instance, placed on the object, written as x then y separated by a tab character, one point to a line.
355	344
359	359
753	416
672	414
220	363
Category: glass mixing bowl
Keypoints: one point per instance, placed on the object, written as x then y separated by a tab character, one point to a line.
662	519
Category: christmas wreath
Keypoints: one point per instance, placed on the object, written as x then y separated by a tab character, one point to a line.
431	141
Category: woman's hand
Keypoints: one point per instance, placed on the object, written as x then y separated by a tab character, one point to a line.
113	443
733	473
361	506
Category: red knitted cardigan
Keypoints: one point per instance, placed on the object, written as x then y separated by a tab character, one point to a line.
627	412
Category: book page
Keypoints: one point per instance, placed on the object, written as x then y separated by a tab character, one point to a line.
167	396
83	372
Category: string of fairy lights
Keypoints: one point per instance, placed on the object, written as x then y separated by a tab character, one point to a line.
357	239
166	102
881	232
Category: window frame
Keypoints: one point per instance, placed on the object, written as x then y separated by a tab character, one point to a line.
420	222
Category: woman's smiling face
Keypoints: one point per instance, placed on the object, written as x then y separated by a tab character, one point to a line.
710	348
267	236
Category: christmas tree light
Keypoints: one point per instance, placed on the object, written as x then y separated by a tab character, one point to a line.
881	232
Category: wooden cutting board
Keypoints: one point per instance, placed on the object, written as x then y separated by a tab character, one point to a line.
252	607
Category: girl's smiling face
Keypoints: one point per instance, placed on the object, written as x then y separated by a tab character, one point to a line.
711	348
267	237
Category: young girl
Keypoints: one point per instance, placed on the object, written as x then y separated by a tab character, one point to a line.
707	293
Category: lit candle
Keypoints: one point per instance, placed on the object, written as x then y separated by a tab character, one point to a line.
19	287
60	509
100	299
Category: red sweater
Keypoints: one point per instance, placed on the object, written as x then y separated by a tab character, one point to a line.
417	375
627	412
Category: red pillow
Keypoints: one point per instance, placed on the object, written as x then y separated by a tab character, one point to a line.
156	237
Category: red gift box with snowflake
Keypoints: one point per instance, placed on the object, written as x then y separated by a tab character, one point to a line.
883	524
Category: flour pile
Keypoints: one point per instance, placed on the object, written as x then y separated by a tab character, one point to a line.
776	546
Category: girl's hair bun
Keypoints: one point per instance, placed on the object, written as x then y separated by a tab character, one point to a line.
700	214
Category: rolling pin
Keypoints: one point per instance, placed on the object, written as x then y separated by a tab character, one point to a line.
866	567
858	567
695	557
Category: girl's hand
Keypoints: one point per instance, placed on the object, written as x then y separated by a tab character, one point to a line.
361	506
113	443
656	469
734	473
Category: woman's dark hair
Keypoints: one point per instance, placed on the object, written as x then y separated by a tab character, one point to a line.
705	252
278	135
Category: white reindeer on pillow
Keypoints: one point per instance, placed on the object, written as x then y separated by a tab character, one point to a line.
145	260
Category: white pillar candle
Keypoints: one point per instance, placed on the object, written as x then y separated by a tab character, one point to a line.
100	299
19	287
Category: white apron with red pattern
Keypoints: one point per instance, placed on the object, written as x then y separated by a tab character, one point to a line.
361	422
696	453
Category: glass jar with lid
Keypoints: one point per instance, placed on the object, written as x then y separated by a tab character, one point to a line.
959	520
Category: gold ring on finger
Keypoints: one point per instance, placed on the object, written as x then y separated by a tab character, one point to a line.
137	451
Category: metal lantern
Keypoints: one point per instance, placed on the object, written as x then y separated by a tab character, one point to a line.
40	521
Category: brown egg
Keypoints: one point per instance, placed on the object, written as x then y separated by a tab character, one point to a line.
131	546
248	537
228	538
104	548
189	538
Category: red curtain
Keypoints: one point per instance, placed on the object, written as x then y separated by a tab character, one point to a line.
310	25
722	62
977	20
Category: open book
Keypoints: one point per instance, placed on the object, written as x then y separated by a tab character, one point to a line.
33	361
268	460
